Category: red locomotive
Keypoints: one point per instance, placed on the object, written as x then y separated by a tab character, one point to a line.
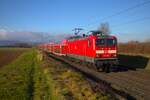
96	48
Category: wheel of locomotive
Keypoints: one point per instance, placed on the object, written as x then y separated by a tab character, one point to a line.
97	67
103	68
107	68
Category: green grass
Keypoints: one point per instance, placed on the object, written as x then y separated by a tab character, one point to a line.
33	77
16	78
25	79
44	86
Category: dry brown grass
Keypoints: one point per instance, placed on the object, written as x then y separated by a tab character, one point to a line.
72	85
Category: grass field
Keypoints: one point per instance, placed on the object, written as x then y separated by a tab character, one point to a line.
9	54
32	76
54	81
71	84
28	74
16	78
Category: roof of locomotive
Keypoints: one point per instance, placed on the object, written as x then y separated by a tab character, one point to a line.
93	34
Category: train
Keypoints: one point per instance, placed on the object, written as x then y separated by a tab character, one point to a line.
95	48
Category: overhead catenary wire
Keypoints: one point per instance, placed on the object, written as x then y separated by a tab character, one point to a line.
131	21
118	13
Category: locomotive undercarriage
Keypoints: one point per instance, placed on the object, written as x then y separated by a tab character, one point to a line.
103	64
106	64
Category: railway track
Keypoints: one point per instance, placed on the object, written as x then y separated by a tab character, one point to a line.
125	84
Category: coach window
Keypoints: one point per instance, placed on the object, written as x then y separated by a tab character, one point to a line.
89	43
62	47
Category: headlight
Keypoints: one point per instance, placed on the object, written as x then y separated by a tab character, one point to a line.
99	51
112	51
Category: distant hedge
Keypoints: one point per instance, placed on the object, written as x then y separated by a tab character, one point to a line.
135	47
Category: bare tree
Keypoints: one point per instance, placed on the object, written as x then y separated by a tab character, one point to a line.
148	40
104	28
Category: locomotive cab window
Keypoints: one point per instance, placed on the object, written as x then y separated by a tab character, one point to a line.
100	42
111	42
89	43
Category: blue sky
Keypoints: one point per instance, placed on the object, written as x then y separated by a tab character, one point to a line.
61	16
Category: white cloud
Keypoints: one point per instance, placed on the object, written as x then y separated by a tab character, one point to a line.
31	36
24	36
3	34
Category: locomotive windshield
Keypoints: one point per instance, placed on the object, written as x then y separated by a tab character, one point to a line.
111	42
105	42
100	42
